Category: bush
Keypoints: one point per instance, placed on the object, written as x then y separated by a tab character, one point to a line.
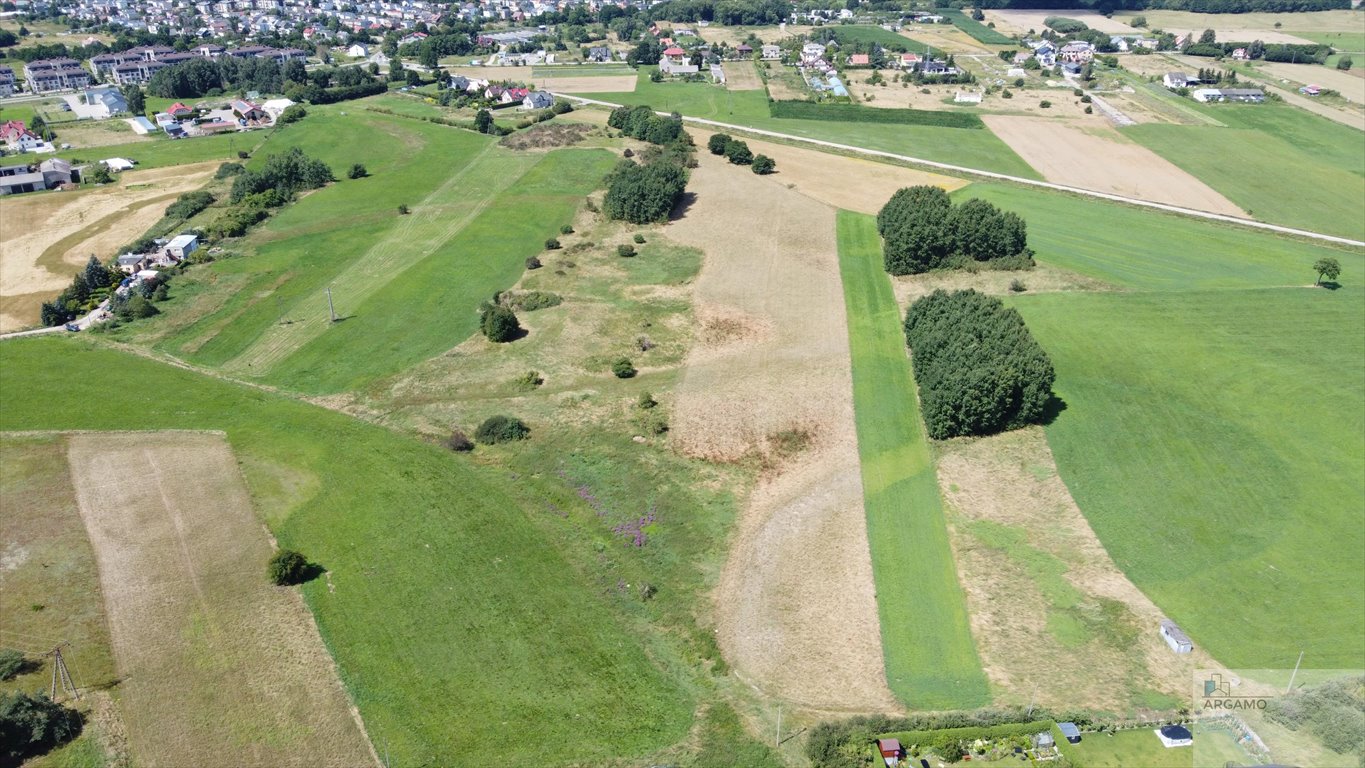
501	429
625	251
567	229
459	442
1045	104
737	152
533	263
499	324
529	380
1017	286
1089	110
551	244
530	301
622	368
717	143
1006	94
357	171
229	169
646	401
639	239
978	368
33	725
1019	82
293	114
287	567
188	205
1344	63
403	209
763	165
11	663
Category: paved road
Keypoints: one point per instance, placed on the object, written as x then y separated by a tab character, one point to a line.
97	315
958	169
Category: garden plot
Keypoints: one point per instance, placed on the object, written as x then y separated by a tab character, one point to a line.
217	666
797	615
1100	159
46	237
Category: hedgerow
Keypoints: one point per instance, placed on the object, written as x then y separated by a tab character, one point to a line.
852	113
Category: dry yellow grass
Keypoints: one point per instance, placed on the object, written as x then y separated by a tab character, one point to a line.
45	237
796	608
1100	159
1350	84
742	76
218	668
1014	22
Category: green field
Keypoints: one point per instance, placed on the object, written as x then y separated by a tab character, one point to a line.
862	33
160	151
1123	749
974	149
465	634
978	31
1212	439
1279	163
1346	42
931	660
852	113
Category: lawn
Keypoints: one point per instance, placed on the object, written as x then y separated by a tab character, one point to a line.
1213	440
458	626
163	151
978	31
1279	163
931	660
1352	42
1122	749
974	149
1149	250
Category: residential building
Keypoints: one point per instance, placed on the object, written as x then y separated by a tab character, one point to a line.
7	83
675	61
538	100
48	75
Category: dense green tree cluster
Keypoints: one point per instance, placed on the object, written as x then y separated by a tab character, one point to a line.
922	230
284	174
87	288
189	204
978	368
501	429
641	123
32	725
641	194
287	567
499	324
728	12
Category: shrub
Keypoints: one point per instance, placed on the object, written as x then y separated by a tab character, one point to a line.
292	114
1086	99
622	368
529	380
459	442
717	143
567	229
11	663
243	155
646	401
1006	94
357	171
1017	286
551	244
229	169
188	205
1089	110
403	209
737	152
287	567
639	239
499	324
763	165
625	251
530	301
1019	82
1045	104
533	263
978	368
32	725
501	429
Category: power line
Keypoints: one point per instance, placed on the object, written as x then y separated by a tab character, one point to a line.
61	673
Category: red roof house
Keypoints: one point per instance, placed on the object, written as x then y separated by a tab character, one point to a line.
858	60
674	50
179	110
890	750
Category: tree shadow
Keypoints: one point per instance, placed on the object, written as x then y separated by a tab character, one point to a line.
310	572
517	335
1051	410
1330	285
683	205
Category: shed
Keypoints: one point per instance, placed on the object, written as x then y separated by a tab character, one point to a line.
1043	740
890	750
1175	736
182	246
1175	637
1070	731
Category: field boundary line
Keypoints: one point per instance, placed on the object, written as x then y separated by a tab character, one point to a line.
959	169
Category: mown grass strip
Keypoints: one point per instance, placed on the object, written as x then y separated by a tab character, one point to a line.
931	660
852	113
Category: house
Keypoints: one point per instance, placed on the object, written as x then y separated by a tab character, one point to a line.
179	111
7	84
1070	731
131	263
18	138
771	53
1310	90
909	60
676	62
459	83
890	750
1174	637
1120	43
105	102
812	50
514	95
1150	43
56	172
1174	736
181	246
859	60
1043	740
744	51
1021	57
357	51
1240	54
717	74
245	110
1241	95
1079	52
538	100
1175	80
599	54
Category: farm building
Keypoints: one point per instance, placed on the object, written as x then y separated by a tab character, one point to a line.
1070	731
717	74
1174	637
1175	736
1175	80
17	179
182	246
1241	95
245	110
890	750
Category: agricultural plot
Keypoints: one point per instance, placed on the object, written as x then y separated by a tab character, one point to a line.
1101	159
47	237
931	659
1255	474
398	523
217	666
1021	22
978	31
1268	27
796	612
1278	163
742	76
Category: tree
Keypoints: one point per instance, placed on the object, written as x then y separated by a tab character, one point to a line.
96	274
501	429
33	725
11	663
1327	267
717	143
763	165
483	121
357	172
101	175
137	101
292	114
1208	37
287	567
737	152
641	194
499	324
1344	63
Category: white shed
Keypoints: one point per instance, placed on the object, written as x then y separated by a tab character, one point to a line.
1174	637
182	246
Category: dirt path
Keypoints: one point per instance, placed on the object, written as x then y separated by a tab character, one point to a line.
217	667
45	237
797	616
1101	159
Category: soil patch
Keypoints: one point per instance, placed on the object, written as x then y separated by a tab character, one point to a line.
796	603
217	667
1100	159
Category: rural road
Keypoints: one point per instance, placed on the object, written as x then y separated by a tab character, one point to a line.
96	315
1001	176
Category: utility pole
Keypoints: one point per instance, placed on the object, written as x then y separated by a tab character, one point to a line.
777	740
331	309
1290	687
60	672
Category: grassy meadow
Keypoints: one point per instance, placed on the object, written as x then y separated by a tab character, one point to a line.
931	660
971	148
1279	163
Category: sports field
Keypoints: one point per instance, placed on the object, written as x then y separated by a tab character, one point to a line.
931	660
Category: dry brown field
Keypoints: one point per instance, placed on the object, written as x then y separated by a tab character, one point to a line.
216	666
1100	159
895	95
946	38
46	237
1249	26
562	83
1015	21
102	133
1350	84
733	36
795	602
742	76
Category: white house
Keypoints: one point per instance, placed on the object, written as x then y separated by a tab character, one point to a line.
1175	80
181	246
538	100
675	61
771	52
357	51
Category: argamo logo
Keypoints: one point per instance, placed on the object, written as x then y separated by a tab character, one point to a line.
1218	696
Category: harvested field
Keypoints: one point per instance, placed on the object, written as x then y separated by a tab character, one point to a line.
1020	21
786	88
1350	85
1056	621
1249	26
945	38
796	611
48	236
742	76
104	133
1100	159
217	667
733	36
851	183
590	84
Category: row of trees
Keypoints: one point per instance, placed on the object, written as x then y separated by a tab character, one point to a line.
202	77
922	230
733	13
738	153
978	368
